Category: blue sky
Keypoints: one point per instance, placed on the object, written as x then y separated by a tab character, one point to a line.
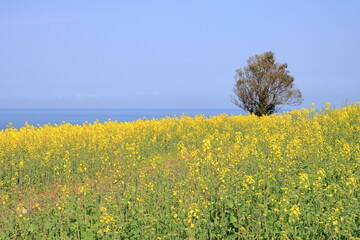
171	54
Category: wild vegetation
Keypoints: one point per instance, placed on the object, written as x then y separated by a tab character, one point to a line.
289	176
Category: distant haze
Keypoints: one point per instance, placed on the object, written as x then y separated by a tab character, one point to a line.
171	54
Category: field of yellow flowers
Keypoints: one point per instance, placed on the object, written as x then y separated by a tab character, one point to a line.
288	176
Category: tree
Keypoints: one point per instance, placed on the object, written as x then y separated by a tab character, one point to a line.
263	85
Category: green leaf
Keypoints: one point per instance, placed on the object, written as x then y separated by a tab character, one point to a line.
232	236
88	235
233	219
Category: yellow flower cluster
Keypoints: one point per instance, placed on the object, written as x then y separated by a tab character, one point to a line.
291	175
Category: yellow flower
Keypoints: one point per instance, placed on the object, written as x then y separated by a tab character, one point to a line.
295	210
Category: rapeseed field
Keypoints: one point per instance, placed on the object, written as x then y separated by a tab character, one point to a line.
294	175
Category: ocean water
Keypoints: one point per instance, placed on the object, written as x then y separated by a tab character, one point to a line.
36	117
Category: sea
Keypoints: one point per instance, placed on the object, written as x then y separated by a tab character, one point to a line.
38	117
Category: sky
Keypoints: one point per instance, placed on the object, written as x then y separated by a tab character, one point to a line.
171	54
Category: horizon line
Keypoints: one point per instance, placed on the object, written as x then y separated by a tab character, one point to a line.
36	108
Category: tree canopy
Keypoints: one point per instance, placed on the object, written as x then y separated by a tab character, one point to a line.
263	85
